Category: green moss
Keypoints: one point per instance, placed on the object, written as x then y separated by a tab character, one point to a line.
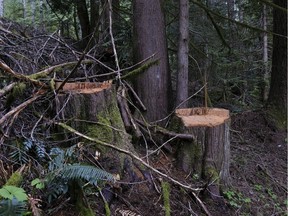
166	197
133	74
102	130
211	173
278	117
15	179
17	92
107	209
82	209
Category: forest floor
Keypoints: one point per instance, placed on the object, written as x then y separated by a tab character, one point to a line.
258	177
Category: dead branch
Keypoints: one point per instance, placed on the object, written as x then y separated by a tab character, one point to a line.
163	131
142	106
113	146
21	106
127	117
46	72
11	72
7	89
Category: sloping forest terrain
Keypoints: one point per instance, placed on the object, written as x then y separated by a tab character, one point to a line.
32	156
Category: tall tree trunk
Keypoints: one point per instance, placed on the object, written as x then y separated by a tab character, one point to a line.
83	16
33	9
24	8
265	55
183	51
277	100
153	86
94	16
42	7
1	8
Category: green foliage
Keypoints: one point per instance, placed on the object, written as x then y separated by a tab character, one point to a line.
88	173
15	179
61	173
8	192
37	183
26	149
236	199
12	207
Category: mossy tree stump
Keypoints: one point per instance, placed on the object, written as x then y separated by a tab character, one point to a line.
91	108
208	155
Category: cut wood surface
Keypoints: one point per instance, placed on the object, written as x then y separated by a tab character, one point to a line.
84	87
203	117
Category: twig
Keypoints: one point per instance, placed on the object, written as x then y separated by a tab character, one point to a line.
167	132
49	70
112	40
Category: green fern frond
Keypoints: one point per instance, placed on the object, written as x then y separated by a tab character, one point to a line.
85	172
12	207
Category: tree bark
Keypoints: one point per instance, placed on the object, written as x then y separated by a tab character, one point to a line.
83	17
265	55
153	86
208	155
1	8
183	51
277	100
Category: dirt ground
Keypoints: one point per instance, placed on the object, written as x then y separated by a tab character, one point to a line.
258	178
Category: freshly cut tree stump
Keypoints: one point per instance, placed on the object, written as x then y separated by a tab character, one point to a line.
91	108
208	155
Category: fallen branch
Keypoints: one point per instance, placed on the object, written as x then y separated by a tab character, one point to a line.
11	72
142	106
21	106
7	89
158	129
46	72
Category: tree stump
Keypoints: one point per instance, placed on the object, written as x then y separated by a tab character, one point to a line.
91	108
209	154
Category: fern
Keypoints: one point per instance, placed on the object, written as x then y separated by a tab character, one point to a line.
24	150
58	181
12	207
85	172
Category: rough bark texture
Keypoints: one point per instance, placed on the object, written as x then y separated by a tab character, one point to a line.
152	86
265	55
183	49
208	155
83	17
94	112
277	99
